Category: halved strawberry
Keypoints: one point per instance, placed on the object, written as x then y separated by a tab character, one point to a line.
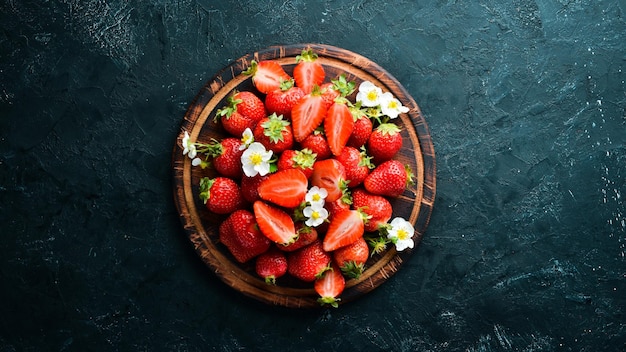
329	174
267	75
274	223
286	188
307	115
330	286
338	126
308	72
344	229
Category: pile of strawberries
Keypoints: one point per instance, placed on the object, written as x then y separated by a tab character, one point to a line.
305	177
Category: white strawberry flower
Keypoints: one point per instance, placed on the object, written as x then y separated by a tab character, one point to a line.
316	195
316	214
246	139
189	148
369	94
401	234
391	106
256	160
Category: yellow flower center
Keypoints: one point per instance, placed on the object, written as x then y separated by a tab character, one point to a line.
315	215
316	197
393	105
256	159
371	95
403	234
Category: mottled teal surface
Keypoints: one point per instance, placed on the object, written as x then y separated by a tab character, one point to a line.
526	105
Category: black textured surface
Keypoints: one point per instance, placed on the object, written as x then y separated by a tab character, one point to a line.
526	105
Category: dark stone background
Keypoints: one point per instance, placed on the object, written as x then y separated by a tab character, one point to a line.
526	105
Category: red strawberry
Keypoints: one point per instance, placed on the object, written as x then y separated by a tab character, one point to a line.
221	195
384	142
339	87
306	236
267	75
281	101
338	126
302	160
271	265
308	72
330	286
389	179
330	175
362	129
351	258
377	208
250	187
249	105
308	263
235	123
356	163
227	157
274	223
317	143
242	237
329	94
345	228
307	115
274	133
286	188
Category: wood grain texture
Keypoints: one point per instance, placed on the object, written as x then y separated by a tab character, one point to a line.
201	226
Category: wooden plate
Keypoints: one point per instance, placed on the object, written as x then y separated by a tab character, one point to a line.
201	226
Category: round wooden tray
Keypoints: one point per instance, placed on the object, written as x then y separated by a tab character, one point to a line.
201	226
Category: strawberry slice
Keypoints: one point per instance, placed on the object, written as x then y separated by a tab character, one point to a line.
308	73
329	174
307	114
274	223
330	286
267	75
344	229
338	126
286	188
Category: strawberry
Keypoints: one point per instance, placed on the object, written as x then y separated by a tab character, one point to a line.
234	123
226	157
308	72
306	236
362	129
274	223
286	188
318	144
221	195
274	133
345	228
330	175
351	258
250	105
377	208
338	126
308	114
356	163
250	187
271	265
267	75
302	160
329	94
308	263
339	87
384	142
389	179
281	101
242	237
330	286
